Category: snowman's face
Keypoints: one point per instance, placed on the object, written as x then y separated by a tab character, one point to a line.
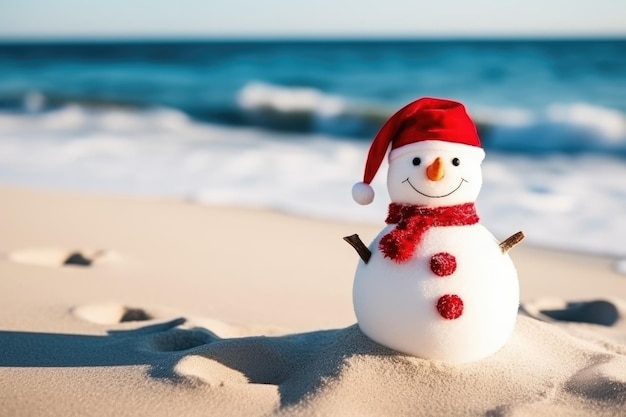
435	173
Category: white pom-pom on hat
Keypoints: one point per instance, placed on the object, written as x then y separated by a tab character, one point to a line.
362	193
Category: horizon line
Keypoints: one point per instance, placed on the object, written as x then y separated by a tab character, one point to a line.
308	38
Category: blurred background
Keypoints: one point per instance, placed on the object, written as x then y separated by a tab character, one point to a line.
273	104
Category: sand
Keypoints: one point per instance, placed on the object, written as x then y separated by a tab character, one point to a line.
172	308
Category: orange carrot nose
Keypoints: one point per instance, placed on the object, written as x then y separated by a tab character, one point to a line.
435	171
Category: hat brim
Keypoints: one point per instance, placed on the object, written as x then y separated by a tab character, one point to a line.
438	145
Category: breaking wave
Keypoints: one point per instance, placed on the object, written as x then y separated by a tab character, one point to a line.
569	128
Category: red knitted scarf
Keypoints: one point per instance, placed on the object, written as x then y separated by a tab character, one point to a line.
413	221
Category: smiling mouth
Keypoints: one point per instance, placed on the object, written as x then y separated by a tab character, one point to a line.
435	196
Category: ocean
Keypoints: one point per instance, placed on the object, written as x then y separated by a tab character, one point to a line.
286	124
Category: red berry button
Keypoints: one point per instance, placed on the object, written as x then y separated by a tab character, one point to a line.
443	264
450	306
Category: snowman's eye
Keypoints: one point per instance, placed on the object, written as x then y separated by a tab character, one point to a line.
416	161
456	162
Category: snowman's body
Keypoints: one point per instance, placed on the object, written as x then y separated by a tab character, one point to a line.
396	304
438	286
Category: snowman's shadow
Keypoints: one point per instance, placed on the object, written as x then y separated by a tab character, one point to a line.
295	363
117	348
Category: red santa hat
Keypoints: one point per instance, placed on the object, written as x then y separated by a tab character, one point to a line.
424	119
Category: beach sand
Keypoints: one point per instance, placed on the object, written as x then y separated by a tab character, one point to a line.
193	310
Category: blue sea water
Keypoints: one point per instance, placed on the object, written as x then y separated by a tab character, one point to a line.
286	124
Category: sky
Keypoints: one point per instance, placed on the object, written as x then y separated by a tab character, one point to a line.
76	19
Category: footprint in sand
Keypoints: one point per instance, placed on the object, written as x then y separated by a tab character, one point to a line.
111	313
601	312
115	313
191	350
56	257
166	337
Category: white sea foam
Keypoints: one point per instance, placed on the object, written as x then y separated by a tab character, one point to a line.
259	96
572	128
574	201
609	123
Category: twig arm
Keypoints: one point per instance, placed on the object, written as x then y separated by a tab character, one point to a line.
508	243
356	242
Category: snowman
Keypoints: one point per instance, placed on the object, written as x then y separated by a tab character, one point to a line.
436	284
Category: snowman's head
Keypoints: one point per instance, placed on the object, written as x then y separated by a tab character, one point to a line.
435	155
435	173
